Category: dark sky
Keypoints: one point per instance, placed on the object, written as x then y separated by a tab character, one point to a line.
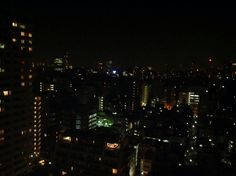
133	33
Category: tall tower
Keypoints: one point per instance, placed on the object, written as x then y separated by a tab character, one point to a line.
16	113
145	95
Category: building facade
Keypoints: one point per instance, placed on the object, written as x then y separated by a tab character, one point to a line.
16	106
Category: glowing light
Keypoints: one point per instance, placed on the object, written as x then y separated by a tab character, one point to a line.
112	146
22	33
210	60
67	139
168	106
42	162
114	171
2	46
104	122
63	173
22	26
6	93
14	24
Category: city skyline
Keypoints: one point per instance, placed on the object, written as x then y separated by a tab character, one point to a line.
137	33
80	92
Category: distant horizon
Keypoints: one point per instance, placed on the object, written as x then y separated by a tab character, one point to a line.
132	33
159	66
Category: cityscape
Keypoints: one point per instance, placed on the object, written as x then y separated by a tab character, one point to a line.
62	114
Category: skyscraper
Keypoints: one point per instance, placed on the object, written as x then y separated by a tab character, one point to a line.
16	132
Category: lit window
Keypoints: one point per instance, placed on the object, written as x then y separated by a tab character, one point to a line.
22	26
1	110
22	84
30	49
2	46
30	35
14	24
6	93
30	76
37	98
22	41
64	173
22	33
13	39
30	42
22	77
2	70
114	171
1	132
41	162
67	139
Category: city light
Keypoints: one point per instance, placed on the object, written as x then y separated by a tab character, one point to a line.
112	146
116	95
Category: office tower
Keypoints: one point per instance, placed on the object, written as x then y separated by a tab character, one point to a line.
16	133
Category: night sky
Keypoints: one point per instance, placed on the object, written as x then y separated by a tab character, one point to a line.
133	33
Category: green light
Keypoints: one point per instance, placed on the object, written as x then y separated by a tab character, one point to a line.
104	122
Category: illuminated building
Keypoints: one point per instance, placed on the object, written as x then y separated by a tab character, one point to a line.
135	97
61	64
145	95
85	120
192	99
16	103
58	64
100	103
94	152
103	120
37	125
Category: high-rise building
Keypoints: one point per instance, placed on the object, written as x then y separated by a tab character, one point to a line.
37	128
145	95
16	106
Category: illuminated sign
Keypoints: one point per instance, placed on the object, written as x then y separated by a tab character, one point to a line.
112	146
